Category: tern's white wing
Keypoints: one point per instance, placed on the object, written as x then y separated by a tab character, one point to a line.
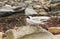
31	21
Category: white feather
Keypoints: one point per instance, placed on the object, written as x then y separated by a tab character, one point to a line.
37	20
34	21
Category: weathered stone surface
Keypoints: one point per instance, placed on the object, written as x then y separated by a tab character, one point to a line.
30	32
1	34
55	5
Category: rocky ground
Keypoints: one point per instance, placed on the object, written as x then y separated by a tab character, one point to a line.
9	22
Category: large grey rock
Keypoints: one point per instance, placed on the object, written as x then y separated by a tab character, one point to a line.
30	11
30	32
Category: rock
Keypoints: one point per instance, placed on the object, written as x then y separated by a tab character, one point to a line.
37	6
30	11
30	32
57	36
55	5
11	34
1	35
43	13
